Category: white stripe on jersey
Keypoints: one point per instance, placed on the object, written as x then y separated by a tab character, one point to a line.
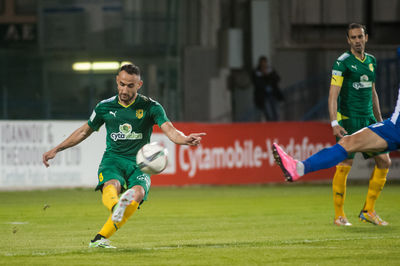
92	116
343	57
109	99
396	113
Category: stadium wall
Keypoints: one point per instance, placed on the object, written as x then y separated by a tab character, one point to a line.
237	153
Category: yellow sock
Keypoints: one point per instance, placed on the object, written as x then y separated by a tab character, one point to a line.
339	188
109	228
110	196
376	183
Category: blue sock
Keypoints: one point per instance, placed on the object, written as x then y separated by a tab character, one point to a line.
325	158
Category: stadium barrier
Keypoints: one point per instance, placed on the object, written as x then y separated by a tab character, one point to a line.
237	153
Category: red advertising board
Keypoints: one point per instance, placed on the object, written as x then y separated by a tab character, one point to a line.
241	153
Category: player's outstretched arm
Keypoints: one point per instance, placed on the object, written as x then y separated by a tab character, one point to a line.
178	137
75	138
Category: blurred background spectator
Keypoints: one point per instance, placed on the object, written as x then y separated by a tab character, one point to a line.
267	93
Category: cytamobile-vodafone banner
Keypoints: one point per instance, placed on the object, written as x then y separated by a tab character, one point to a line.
241	153
229	154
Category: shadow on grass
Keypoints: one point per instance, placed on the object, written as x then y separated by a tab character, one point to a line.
371	230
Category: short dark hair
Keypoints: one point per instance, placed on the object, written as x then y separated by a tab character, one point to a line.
261	58
130	69
356	26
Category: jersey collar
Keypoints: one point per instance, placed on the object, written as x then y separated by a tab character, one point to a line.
123	105
363	60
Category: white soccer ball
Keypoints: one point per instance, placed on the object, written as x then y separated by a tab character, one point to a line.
152	158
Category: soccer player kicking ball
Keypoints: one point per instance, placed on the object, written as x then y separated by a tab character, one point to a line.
129	118
382	136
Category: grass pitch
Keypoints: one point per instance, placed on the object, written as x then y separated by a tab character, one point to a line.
250	225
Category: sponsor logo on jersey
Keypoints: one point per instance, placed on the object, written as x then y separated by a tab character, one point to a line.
113	113
354	67
125	128
371	67
125	133
146	179
364	78
337	73
364	83
139	113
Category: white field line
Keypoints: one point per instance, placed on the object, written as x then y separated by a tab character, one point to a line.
206	245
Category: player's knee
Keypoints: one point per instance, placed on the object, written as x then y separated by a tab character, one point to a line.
384	162
115	183
387	164
139	193
348	143
346	162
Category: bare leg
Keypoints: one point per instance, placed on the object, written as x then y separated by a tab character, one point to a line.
363	140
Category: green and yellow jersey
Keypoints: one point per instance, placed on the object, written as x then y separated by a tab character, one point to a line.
355	77
128	127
